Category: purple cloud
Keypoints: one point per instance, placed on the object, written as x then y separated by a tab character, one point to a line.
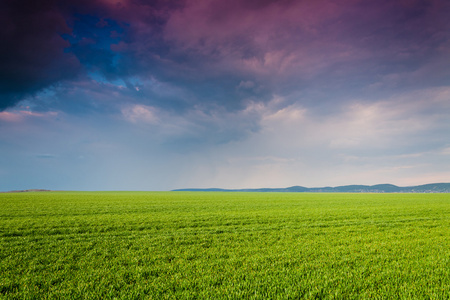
209	48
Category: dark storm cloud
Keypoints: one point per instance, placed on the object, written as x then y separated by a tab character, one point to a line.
225	54
90	42
45	42
32	52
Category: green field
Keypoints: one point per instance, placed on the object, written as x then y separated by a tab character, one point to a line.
181	245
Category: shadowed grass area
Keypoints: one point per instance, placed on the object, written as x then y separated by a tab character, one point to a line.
187	245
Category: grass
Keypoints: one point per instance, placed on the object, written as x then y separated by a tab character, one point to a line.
186	245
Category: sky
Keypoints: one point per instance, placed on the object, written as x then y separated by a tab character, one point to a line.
160	95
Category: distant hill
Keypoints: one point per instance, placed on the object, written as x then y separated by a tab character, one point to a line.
379	188
30	190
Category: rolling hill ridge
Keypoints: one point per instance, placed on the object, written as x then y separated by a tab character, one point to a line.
379	188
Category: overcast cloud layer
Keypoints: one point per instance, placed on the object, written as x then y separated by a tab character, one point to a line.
158	95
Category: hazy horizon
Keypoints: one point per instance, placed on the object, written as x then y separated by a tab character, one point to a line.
163	95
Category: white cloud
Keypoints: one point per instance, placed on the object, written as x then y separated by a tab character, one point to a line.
394	141
140	113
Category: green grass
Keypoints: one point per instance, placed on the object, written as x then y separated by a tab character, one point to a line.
181	245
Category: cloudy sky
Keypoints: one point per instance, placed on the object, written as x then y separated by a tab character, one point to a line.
159	95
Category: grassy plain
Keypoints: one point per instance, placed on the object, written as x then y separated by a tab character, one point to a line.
186	245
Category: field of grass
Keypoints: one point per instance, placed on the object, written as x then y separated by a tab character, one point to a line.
181	245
